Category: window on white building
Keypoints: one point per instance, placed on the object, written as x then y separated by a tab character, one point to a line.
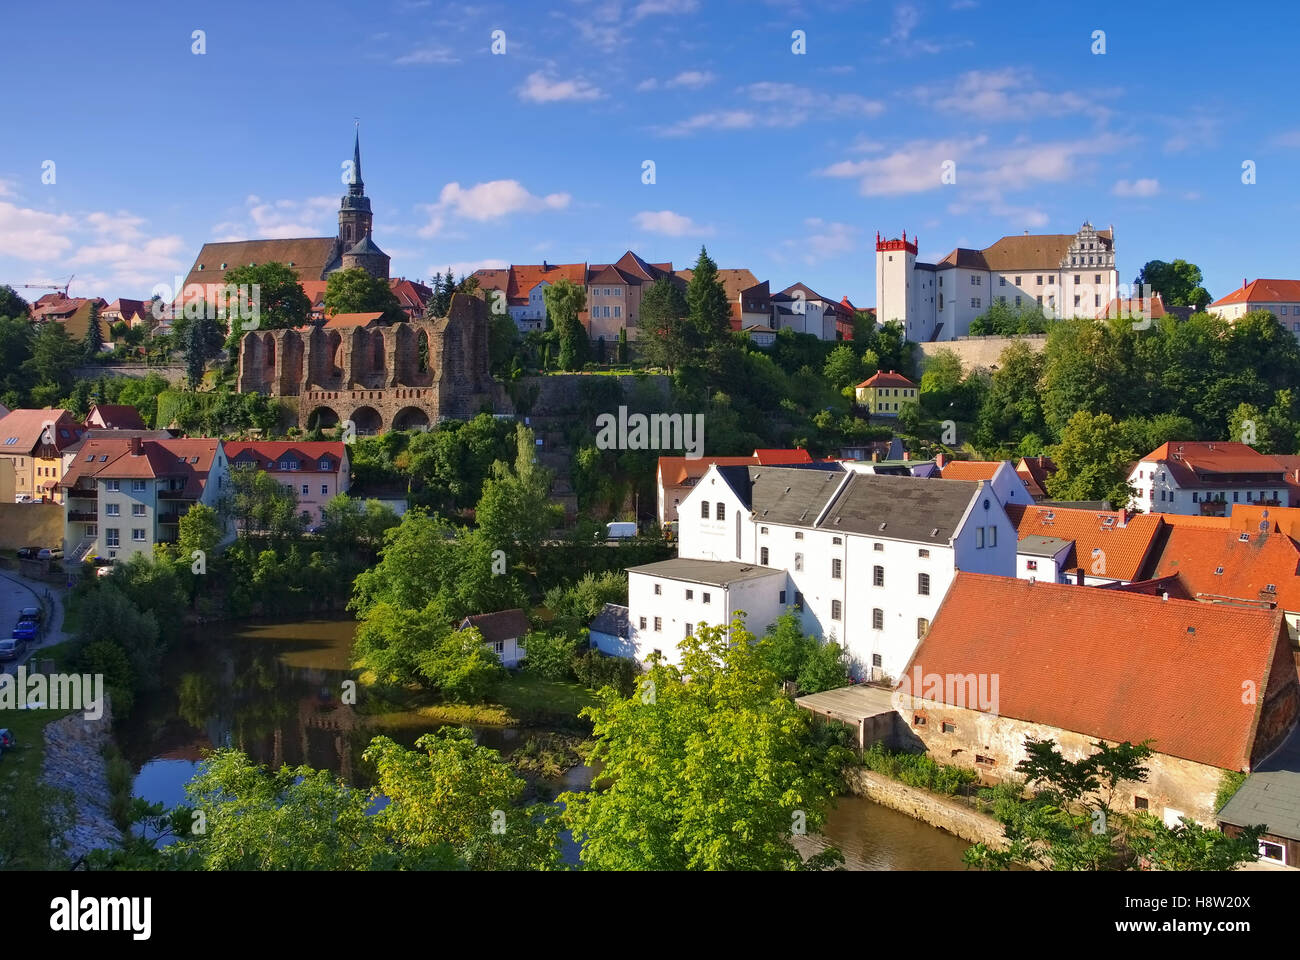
923	584
878	576
659	624
835	610
877	619
137	534
837	569
798	561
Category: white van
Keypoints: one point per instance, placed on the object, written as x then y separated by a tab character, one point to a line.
620	530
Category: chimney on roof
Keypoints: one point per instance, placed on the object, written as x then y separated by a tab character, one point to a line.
1123	516
1026	233
1165	595
137	446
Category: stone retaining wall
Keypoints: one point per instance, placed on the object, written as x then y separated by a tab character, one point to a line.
947	814
74	762
977	352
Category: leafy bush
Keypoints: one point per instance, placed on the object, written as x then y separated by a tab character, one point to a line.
917	770
595	669
549	654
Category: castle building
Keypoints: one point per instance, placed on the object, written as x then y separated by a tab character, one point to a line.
1064	274
312	258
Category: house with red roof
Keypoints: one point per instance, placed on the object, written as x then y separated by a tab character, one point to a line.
316	471
1084	547
114	416
32	442
1279	297
1212	686
884	393
1206	478
123	495
1034	471
999	474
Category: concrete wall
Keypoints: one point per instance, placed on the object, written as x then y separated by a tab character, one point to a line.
977	351
30	525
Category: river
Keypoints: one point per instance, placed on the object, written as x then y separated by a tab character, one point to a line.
273	691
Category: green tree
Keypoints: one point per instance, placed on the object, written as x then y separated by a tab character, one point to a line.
1012	408
200	528
279	298
516	511
12	305
708	314
259	503
53	355
1178	283
1092	461
663	340
94	341
714	773
201	341
564	301
842	367
355	291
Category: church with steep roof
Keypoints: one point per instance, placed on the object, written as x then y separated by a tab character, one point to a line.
312	258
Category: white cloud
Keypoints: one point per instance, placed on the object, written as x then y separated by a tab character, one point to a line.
540	88
1009	94
466	267
1146	187
824	240
914	168
1289	139
487	201
34	234
430	53
650	8
777	105
906	17
281	219
692	79
670	224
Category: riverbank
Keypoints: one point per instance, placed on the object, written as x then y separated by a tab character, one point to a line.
946	813
75	764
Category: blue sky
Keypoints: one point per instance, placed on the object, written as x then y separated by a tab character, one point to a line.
784	163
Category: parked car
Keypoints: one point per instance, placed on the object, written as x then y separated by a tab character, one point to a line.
23	498
10	649
50	553
25	630
620	531
28	553
31	613
103	571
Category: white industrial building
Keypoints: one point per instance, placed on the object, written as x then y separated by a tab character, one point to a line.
865	558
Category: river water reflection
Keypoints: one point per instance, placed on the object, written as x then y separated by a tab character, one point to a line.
272	690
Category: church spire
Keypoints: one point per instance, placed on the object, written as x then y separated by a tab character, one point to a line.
357	187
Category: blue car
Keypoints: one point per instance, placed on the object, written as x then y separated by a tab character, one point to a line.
25	630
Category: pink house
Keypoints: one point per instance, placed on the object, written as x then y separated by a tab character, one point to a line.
316	471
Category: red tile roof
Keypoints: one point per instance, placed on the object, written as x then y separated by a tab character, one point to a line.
502	625
22	430
1125	541
117	416
675	471
268	454
1249	516
775	457
1034	471
1248	567
1263	291
890	379
111	458
1133	307
970	469
1195	463
1113	665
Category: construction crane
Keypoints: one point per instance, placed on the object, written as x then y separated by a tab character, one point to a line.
49	286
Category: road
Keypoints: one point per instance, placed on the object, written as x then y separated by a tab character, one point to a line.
16	593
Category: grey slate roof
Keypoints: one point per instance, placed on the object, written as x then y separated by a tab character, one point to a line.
612	620
718	573
1036	546
901	508
1270	795
793	495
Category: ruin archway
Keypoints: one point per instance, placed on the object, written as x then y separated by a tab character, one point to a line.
367	421
411	418
324	418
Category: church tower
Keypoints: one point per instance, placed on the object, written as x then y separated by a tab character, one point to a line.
355	219
355	224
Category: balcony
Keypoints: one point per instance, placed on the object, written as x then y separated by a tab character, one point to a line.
175	495
83	493
83	516
171	516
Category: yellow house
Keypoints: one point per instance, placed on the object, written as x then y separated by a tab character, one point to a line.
885	393
33	442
